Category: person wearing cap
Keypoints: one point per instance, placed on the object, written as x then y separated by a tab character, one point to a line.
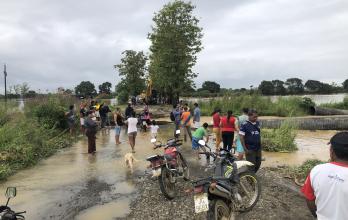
326	186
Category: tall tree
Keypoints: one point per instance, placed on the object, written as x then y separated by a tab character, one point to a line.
175	42
266	88
85	88
279	88
132	70
211	86
345	85
294	85
105	88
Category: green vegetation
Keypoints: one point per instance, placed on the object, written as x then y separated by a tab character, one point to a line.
132	71
284	107
339	105
29	136
175	42
280	140
300	173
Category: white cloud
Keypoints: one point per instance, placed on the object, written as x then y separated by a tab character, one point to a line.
60	43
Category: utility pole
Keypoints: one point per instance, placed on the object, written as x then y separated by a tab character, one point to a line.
5	76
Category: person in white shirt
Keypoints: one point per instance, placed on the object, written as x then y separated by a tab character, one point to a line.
326	186
132	122
154	129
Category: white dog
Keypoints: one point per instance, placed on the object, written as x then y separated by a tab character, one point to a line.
129	159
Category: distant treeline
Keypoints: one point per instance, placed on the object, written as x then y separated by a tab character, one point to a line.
291	86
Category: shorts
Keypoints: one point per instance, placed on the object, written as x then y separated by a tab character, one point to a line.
132	134
117	130
239	146
71	124
154	135
195	144
196	124
82	121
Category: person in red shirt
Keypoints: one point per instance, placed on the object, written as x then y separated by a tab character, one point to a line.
326	186
216	127
228	126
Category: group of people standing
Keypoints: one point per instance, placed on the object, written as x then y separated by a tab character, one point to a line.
242	133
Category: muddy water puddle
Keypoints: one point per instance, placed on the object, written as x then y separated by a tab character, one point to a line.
74	185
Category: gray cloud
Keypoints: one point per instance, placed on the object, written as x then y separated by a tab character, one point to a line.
60	43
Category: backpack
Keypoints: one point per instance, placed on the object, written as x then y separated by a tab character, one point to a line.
172	117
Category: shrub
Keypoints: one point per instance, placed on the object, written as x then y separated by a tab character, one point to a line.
284	107
280	140
339	105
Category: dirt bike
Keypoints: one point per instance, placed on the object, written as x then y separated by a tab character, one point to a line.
6	213
169	167
233	188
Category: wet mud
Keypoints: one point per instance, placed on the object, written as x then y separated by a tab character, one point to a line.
75	185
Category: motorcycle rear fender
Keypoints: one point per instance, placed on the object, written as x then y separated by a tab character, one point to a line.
243	166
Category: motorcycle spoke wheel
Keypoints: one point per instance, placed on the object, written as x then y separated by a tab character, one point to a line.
249	190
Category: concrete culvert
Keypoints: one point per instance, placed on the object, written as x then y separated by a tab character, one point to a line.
315	110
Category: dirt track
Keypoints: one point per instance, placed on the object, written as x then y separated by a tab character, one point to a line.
280	199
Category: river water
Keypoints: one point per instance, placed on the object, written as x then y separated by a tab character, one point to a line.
74	185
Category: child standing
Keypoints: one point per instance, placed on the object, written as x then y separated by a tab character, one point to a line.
154	129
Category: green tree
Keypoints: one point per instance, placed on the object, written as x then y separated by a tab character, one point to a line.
294	85
345	85
313	86
85	88
175	42
132	71
211	86
279	88
266	88
105	88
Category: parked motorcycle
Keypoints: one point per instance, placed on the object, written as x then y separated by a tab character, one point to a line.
233	188
169	167
6	213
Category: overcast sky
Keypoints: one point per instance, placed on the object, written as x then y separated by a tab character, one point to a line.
57	43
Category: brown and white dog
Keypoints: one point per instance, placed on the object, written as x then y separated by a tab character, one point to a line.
129	159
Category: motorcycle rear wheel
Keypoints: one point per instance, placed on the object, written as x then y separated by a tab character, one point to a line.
218	210
166	185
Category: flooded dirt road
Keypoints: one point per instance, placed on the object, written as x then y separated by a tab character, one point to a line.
75	185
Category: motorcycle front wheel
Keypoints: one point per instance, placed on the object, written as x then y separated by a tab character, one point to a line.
183	166
249	189
167	185
218	210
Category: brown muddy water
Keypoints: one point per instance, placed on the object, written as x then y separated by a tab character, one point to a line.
75	185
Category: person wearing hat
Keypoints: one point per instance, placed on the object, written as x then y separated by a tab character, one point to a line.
326	186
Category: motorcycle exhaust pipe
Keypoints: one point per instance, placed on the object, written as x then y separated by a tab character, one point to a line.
220	191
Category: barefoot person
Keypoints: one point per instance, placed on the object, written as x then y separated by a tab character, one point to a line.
186	123
132	122
228	126
239	147
326	186
91	131
198	135
118	124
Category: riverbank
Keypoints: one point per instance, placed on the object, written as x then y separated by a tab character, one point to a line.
280	199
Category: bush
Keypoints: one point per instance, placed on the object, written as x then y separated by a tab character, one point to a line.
339	105
280	140
50	111
23	142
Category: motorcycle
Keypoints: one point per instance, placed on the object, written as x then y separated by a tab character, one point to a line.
233	188
169	167
6	213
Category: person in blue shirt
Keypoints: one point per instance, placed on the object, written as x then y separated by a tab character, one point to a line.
177	117
250	137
